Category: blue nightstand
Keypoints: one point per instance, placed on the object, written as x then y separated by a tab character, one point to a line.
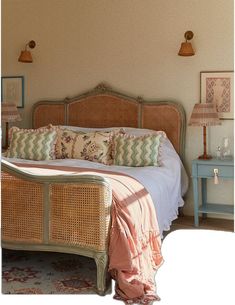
208	169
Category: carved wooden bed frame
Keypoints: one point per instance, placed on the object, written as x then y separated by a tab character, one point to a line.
64	205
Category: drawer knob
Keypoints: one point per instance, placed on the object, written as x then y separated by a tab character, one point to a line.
216	176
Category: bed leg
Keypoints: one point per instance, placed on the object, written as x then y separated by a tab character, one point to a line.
103	279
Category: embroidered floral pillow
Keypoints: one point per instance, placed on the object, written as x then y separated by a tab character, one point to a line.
137	151
65	143
92	146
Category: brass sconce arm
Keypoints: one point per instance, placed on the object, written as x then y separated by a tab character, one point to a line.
188	35
31	44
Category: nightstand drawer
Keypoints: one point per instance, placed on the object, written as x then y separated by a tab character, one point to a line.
208	170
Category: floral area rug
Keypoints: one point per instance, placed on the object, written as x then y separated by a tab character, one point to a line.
29	272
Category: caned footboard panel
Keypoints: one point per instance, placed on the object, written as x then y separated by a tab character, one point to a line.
79	214
55	210
22	210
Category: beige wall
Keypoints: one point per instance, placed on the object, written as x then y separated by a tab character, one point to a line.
130	44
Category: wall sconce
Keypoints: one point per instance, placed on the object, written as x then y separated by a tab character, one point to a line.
186	48
25	56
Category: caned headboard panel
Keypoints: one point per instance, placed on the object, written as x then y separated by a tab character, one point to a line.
53	112
104	107
103	111
167	117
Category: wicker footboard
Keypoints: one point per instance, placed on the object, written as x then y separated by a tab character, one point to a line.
68	214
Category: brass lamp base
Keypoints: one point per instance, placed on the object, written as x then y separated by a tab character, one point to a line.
205	157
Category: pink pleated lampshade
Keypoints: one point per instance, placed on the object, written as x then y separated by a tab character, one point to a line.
10	113
204	114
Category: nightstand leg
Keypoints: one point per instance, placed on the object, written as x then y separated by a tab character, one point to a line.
195	197
204	196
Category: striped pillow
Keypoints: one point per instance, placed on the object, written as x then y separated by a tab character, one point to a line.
43	128
32	144
137	151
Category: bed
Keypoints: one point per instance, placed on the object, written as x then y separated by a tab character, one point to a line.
43	204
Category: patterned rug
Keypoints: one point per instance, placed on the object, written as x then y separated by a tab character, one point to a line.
29	272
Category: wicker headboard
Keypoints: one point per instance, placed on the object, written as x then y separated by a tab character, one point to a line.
104	107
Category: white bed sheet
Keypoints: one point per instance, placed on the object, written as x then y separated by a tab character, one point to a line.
166	184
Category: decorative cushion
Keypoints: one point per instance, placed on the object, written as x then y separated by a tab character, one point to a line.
65	143
137	151
44	128
32	144
92	146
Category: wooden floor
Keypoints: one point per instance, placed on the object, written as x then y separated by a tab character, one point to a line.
187	222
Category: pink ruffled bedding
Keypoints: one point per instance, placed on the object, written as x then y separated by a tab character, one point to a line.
135	243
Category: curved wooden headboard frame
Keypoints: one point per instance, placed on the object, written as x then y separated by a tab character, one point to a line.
104	107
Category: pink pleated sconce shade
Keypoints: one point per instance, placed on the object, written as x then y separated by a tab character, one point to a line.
204	114
186	48
25	55
9	113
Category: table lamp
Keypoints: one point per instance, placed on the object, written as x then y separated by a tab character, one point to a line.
204	114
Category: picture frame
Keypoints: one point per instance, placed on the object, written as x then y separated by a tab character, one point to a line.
217	87
12	90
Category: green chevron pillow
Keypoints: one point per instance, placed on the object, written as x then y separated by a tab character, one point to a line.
32	144
137	151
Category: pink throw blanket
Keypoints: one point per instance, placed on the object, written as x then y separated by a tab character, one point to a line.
135	244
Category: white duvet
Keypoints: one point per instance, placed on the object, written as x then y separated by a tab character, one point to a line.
166	184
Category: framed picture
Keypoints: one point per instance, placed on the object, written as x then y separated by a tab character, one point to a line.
217	88
12	90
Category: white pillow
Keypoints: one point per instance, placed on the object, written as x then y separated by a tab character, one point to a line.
138	131
88	129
